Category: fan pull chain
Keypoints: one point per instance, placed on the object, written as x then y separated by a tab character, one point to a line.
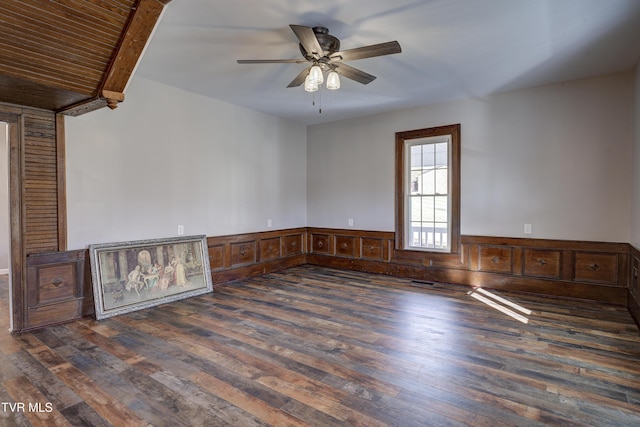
313	102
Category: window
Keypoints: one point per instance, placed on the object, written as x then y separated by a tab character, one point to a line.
428	189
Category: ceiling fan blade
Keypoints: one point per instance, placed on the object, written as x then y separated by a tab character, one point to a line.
308	40
354	74
271	61
299	78
380	49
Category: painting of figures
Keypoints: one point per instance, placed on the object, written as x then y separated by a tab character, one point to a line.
130	276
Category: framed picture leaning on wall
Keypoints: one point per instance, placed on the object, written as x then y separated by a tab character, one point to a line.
129	276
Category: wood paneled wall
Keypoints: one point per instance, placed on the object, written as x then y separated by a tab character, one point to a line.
237	256
38	173
59	288
37	202
43	171
605	272
586	270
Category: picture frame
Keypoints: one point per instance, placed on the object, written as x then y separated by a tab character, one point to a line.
134	275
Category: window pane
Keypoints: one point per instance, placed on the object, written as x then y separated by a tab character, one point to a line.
428	205
415	185
445	239
428	182
416	208
428	233
428	151
416	157
441	205
441	153
440	234
416	234
442	181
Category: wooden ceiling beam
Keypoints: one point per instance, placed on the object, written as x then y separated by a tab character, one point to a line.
135	37
72	56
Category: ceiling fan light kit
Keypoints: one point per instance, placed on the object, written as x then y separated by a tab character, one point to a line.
315	78
315	75
322	51
333	80
310	86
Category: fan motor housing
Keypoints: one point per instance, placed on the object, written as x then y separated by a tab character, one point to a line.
327	42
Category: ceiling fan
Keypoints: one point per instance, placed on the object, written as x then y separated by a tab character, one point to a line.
322	51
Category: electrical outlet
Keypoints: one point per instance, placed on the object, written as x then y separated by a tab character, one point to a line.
269	223
180	230
527	229
350	222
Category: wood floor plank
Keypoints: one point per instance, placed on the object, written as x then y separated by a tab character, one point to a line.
37	410
242	334
269	414
54	390
323	347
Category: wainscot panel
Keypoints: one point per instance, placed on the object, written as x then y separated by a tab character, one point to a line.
346	246
216	257
293	244
574	269
56	288
542	263
319	243
495	259
270	249
596	267
244	255
351	244
372	248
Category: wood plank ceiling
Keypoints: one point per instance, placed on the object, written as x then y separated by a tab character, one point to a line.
72	56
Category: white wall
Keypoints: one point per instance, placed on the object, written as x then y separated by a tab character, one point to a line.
557	157
4	199
635	212
166	157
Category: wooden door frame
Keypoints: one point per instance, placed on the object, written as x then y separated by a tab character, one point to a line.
17	265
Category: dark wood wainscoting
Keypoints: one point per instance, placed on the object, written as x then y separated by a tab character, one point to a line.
574	269
246	255
58	287
59	283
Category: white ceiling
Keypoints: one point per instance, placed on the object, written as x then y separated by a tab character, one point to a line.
451	49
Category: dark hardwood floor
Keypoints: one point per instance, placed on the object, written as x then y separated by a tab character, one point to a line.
321	347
